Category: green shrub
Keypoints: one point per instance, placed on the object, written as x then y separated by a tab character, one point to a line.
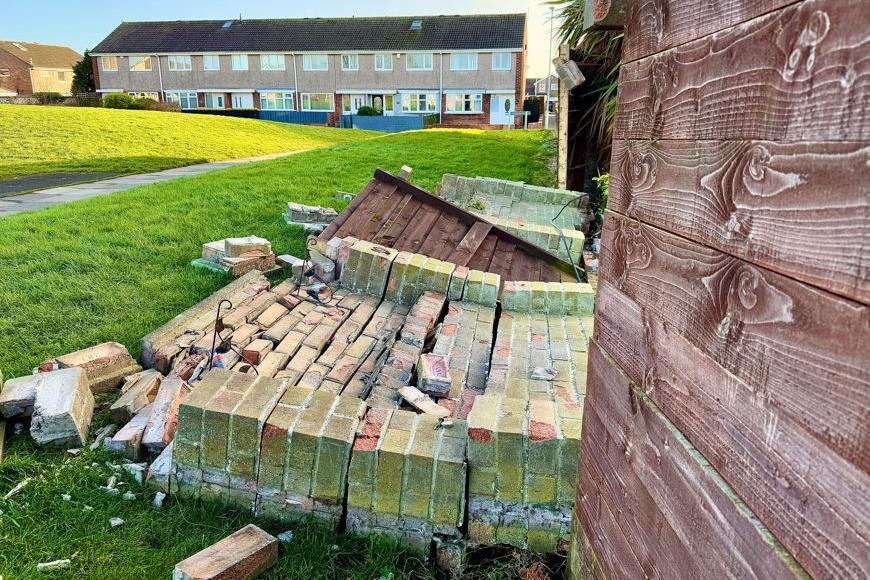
119	101
48	98
367	111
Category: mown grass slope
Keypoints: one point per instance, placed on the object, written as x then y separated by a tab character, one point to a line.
115	268
36	139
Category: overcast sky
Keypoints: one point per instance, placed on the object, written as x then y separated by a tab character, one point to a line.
82	24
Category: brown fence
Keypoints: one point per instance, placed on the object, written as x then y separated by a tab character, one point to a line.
725	431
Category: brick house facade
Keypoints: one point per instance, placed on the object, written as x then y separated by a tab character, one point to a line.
27	68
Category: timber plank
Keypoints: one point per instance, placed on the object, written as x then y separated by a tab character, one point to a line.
392	200
481	259
365	210
655	25
333	227
392	230
798	74
438	235
470	243
624	433
503	258
456	236
815	502
781	337
799	209
415	234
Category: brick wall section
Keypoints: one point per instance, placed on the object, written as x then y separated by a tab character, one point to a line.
448	120
19	75
95	63
520	87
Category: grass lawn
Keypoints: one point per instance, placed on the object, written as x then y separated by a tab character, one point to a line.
35	139
115	268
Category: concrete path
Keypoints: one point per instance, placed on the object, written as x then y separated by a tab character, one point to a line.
60	195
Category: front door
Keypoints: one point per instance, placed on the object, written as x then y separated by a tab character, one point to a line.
357	101
243	101
501	109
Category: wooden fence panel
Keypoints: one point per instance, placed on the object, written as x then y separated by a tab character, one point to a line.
628	441
802	73
814	501
783	338
658	25
799	209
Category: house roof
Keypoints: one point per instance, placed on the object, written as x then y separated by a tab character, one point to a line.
461	32
41	55
394	213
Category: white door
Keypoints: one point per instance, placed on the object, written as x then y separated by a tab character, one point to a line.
357	101
243	101
501	109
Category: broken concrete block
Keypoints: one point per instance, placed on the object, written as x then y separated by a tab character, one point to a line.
433	374
17	397
136	394
243	554
240	247
421	402
105	365
128	440
63	408
164	414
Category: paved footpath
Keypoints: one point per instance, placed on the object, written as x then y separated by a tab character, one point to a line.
60	195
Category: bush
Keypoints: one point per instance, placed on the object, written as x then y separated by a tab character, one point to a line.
367	111
119	101
48	98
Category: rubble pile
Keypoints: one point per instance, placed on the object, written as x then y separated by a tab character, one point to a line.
314	219
237	256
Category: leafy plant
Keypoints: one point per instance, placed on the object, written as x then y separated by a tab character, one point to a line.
367	111
83	75
599	199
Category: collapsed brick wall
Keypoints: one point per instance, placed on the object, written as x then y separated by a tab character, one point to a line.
323	429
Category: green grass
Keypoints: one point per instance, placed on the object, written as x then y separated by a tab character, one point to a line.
36	139
117	267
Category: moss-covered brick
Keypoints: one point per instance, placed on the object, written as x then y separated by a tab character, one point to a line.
397	277
216	429
541	489
457	283
511	450
303	443
274	447
473	285
543	438
483	432
579	299
416	493
188	435
411	287
538	297
361	268
391	463
246	426
332	459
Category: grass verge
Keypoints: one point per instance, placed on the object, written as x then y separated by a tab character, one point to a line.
37	139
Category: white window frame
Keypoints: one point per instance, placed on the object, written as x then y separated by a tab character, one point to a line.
140	60
352	62
239	62
110	63
463	61
61	75
281	97
307	97
386	59
211	59
272	62
210	98
474	100
416	68
496	56
411	102
308	63
144	95
180	62
186	96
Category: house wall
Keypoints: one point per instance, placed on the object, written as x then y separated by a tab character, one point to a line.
51	80
18	78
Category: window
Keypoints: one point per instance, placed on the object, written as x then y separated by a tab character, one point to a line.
501	61
143	95
61	75
214	101
110	63
240	62
419	61
4	72
554	86
316	62
276	101
420	103
271	62
211	62
384	61
463	61
317	102
179	63
184	99
464	103
140	63
349	62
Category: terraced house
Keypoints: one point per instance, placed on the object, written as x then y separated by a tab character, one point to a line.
469	68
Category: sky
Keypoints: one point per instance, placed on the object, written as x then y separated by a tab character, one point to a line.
82	24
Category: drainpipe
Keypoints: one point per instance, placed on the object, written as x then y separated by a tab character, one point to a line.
440	85
160	76
296	96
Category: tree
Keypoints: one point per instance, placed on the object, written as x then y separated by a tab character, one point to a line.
83	76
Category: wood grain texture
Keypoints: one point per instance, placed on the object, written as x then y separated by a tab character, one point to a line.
655	25
800	209
801	73
815	502
469	244
800	349
665	490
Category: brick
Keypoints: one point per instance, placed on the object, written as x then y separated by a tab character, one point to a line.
188	435
256	351
238	247
271	315
457	283
272	363
324	268
246	553
303	443
246	427
481	288
367	268
105	365
164	414
433	375
62	409
291	342
18	395
139	393
128	439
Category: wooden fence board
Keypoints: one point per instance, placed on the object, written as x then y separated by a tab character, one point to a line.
781	337
802	73
721	536
799	209
814	501
655	25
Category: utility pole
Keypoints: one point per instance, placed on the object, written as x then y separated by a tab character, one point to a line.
549	75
